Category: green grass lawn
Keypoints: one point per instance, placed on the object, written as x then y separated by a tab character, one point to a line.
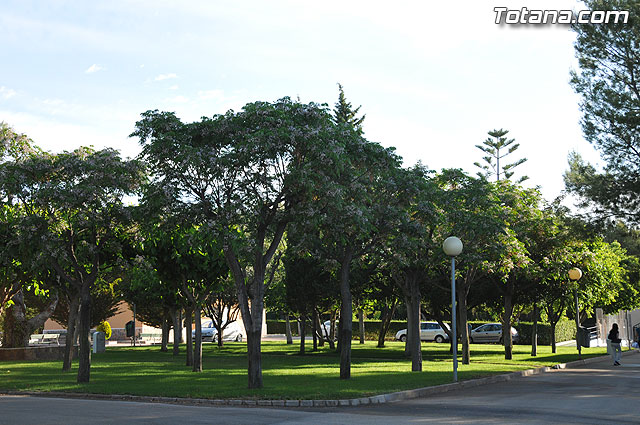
287	375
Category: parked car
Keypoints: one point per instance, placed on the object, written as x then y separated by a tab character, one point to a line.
429	331
490	332
325	329
210	333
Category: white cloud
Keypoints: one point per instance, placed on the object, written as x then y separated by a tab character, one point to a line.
163	77
174	87
7	93
94	68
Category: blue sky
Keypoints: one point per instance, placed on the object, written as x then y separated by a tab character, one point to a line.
432	77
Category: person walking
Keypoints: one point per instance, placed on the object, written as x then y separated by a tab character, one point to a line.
616	349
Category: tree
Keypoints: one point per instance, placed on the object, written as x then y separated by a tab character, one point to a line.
345	114
242	173
608	85
411	243
349	212
13	272
105	298
203	271
13	147
76	198
222	307
153	299
307	281
472	213
520	210
18	324
492	148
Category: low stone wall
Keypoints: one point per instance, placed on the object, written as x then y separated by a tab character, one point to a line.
36	353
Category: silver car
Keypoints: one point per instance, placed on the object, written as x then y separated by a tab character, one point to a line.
210	333
429	331
490	332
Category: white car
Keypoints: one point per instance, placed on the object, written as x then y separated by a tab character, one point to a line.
490	332
325	329
429	331
210	333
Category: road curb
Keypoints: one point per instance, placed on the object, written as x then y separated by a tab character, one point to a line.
377	399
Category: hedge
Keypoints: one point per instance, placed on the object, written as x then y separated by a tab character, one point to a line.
371	328
565	330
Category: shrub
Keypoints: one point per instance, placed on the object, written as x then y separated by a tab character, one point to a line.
565	331
106	328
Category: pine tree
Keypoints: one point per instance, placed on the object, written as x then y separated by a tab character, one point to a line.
497	147
344	113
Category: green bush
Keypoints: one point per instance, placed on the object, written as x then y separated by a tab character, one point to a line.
565	331
371	328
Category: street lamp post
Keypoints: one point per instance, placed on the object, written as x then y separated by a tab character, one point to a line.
575	274
452	246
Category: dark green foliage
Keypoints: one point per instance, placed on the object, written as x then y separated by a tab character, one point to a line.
565	331
608	85
345	114
104	304
496	147
372	327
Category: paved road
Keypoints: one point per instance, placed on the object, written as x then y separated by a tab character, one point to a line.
597	393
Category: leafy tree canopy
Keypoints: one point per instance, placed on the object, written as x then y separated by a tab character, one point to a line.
608	85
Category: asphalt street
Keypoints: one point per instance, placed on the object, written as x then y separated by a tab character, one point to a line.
597	393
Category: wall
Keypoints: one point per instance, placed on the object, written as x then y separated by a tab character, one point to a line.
124	314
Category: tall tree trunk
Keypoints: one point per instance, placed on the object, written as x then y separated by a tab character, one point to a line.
463	329
13	330
220	336
346	314
507	339
303	333
314	329
385	322
332	331
534	330
414	341
165	332
188	321
197	355
17	333
74	306
84	350
255	359
175	316
553	317
361	323
252	319
287	329
410	328
322	332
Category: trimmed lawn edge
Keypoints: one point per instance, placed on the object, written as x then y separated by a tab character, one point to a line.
377	399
